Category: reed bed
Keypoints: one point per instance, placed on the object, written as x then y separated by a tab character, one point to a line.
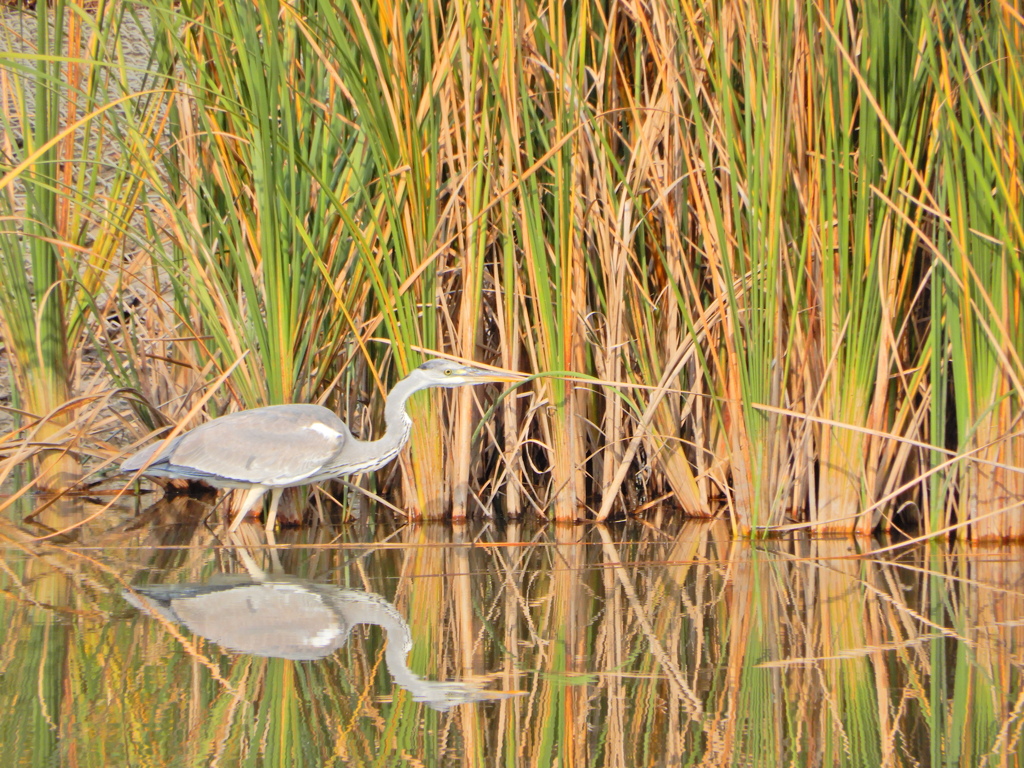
763	259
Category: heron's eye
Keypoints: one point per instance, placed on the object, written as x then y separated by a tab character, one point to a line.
447	371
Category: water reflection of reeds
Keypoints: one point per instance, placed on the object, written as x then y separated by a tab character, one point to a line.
628	647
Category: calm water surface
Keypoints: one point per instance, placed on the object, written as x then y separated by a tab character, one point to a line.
159	641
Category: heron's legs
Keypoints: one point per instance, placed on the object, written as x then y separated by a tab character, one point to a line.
252	496
275	499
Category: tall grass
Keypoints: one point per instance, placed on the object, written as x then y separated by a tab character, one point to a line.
69	187
784	238
982	266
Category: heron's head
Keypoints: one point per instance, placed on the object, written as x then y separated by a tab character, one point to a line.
444	373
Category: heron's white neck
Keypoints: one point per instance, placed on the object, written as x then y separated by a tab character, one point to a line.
365	456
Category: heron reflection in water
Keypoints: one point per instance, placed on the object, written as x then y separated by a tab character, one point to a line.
282	446
291	618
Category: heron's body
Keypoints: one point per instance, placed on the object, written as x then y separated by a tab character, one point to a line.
240	449
282	446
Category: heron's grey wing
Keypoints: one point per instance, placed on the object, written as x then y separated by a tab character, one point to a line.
139	459
277	445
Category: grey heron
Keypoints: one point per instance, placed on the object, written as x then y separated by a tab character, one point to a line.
281	446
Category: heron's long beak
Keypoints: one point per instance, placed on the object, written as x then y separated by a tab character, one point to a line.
484	375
